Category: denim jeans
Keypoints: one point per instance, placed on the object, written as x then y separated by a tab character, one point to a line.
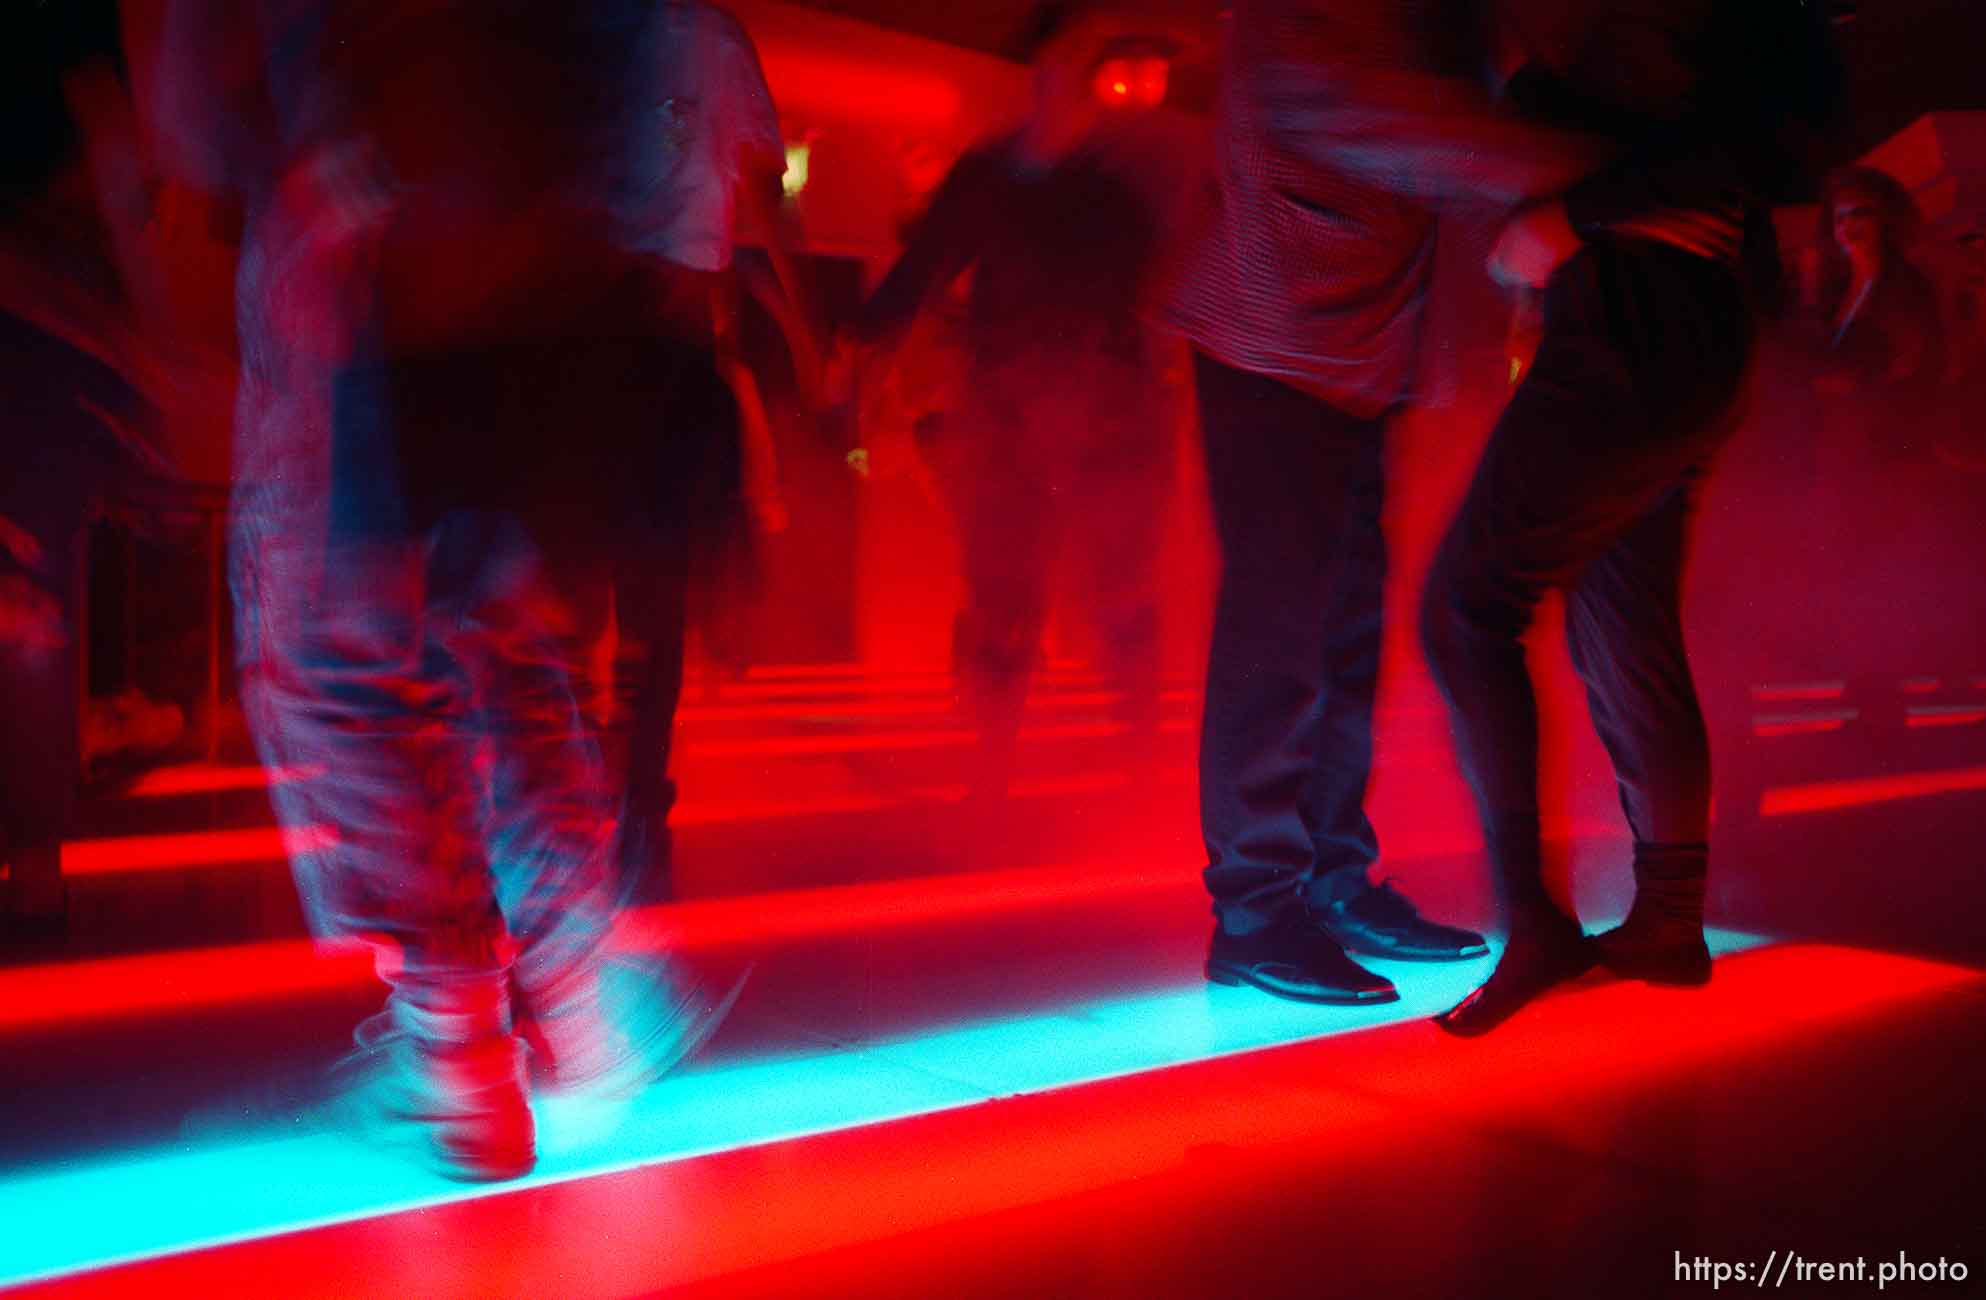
421	693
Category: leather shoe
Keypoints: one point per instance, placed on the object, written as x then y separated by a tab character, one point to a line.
1293	958
1380	921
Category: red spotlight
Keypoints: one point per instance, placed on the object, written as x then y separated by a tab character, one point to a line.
1131	81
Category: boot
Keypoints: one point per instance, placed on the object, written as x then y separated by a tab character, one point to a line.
1661	941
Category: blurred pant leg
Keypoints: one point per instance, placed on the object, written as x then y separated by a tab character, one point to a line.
651	605
520	615
1010	527
687	535
1115	534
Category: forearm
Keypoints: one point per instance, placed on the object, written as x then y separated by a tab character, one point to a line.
758	452
889	311
1433	138
940	247
1702	179
786	294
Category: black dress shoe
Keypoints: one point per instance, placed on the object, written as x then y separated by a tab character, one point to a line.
1532	963
1379	921
1292	958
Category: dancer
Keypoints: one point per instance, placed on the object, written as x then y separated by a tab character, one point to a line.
1642	142
1304	306
1062	436
451	353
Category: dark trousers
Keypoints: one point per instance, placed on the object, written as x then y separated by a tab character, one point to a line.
651	598
687	543
1286	740
415	646
1586	486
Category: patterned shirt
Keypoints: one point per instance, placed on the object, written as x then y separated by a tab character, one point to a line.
1301	272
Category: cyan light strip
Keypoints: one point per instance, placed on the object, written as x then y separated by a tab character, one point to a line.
192	1195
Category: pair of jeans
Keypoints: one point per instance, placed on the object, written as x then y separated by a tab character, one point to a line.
1286	740
415	660
1586	487
420	694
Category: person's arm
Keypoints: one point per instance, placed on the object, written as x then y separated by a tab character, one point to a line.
103	113
1355	87
785	293
759	452
93	322
748	124
942	243
1421	136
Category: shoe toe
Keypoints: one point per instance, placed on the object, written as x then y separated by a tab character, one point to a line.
1420	941
1354	985
1447	942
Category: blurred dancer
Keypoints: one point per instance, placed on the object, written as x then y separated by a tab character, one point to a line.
452	354
1889	513
68	444
1304	306
1636	140
1874	318
720	160
76	433
1063	443
67	447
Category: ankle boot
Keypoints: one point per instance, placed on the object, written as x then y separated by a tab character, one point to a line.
1662	939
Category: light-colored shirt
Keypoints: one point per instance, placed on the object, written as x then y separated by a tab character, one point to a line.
713	125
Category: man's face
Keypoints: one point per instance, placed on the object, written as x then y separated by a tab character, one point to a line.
1858	224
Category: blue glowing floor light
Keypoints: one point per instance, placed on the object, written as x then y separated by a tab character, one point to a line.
192	1195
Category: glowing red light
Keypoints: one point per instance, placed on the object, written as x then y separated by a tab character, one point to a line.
1132	82
1883	789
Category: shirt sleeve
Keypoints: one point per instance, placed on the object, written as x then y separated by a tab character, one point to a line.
944	241
750	118
1360	87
